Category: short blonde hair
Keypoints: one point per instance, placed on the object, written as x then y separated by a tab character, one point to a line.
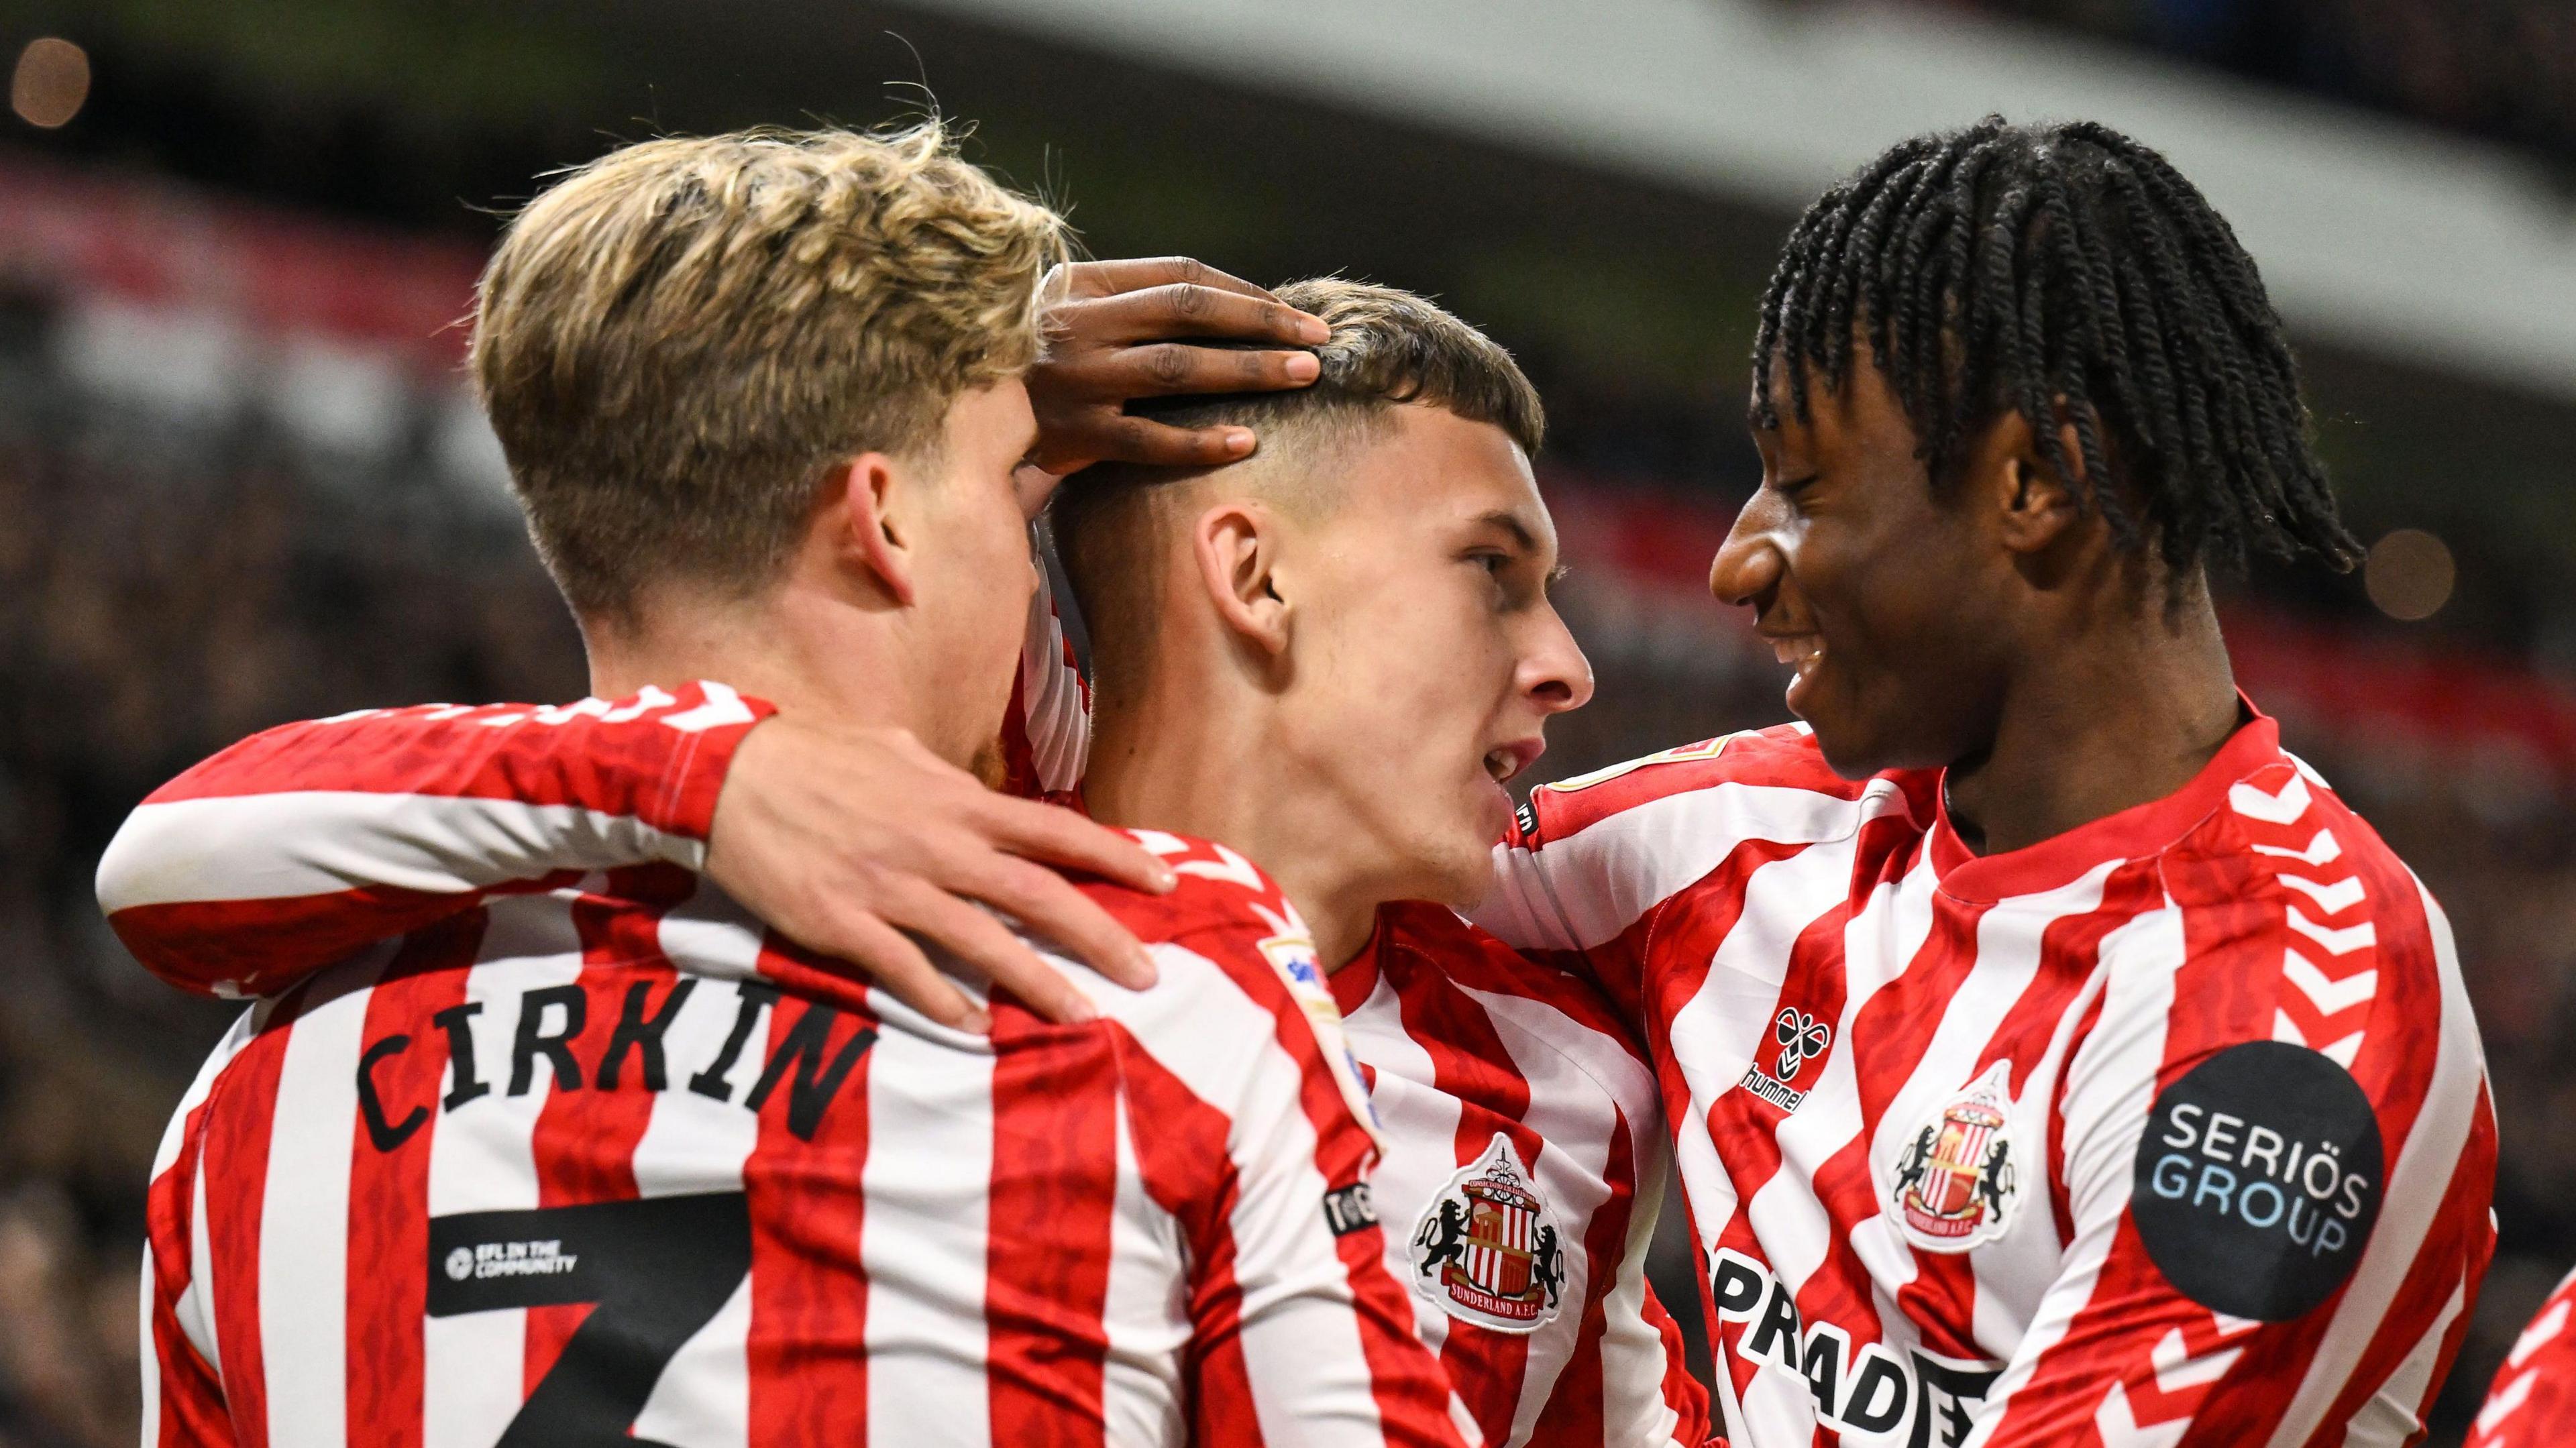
678	340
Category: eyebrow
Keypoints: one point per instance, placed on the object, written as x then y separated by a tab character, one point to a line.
1511	524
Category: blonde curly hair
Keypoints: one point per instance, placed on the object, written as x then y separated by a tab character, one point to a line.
677	340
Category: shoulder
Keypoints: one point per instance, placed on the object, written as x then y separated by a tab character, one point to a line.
2285	864
1776	775
1238	978
1536	1015
1433	939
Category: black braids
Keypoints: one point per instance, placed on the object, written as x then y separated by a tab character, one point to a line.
2089	336
2040	267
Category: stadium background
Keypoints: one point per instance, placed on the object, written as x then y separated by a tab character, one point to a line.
241	481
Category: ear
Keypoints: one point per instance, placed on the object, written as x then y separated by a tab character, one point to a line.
1236	546
2034	504
866	515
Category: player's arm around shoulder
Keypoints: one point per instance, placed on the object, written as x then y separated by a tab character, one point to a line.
2278	1148
302	843
1252	1127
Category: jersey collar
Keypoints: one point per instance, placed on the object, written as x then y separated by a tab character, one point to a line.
2134	833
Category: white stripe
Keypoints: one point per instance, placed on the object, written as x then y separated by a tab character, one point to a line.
304	1211
1311	1381
196	1305
1576	892
1419	1123
1148	1330
1715	1036
481	1159
694	1143
2110	1084
2391	1416
315	842
926	1196
1052	706
150	1359
2412	1198
1575	1113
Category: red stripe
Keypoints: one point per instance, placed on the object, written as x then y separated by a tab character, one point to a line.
1055	1185
192	1401
583	1143
261	947
388	1287
240	1113
637	767
1470	1064
807	1348
1573	1416
1183	1162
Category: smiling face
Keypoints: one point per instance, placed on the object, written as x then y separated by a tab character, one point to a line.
1892	602
1424	655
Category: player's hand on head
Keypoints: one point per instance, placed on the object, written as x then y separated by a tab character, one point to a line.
1119	330
852	842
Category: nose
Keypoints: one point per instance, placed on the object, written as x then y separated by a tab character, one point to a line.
1554	673
1749	563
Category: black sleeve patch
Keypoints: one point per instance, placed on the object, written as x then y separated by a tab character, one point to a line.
2259	1179
1348	1209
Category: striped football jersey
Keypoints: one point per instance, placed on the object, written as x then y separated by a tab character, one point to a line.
2532	1402
2171	1130
587	1154
326	838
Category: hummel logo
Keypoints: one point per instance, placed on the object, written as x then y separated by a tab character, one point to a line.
1801	1036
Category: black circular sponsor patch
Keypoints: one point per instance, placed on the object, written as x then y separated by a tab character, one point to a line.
2259	1179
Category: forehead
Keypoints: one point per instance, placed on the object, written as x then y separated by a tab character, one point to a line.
1433	467
1859	412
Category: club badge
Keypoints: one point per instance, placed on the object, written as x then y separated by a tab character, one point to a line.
1954	1183
1487	1249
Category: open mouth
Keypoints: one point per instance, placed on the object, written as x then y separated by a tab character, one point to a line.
1800	649
1505	760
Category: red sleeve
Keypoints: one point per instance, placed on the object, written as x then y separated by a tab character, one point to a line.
2274	1154
2532	1403
297	846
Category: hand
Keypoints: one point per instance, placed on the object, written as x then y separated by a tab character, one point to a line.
1110	329
844	839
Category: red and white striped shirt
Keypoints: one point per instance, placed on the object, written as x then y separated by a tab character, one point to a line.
1465	1044
2532	1403
574	1159
2173	1129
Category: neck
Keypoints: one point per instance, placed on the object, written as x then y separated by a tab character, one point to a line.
1211	762
805	650
2125	714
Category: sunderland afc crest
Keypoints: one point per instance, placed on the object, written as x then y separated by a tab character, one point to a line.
1955	1180
1487	1249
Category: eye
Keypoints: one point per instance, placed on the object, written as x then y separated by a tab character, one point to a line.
1490	560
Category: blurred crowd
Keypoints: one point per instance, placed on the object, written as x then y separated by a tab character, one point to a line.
2505	69
169	584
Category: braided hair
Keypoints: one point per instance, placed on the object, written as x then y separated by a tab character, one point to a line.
2036	266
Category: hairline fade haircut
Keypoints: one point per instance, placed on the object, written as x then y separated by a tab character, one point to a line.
2014	267
1389	348
677	341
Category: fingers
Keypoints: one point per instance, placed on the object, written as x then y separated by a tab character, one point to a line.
1043	902
1108	278
1172	367
1185	310
1053	835
900	969
988	947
